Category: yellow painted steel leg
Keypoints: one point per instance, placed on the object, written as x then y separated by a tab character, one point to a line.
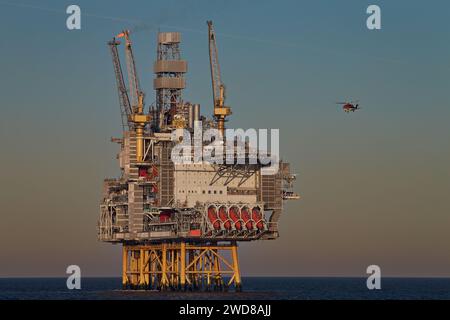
164	280
237	274
183	265
176	271
194	275
190	276
135	268
124	266
217	275
153	268
172	267
132	267
146	267
209	268
200	275
141	268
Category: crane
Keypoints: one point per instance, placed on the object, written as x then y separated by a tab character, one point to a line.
133	80
220	110
124	101
133	116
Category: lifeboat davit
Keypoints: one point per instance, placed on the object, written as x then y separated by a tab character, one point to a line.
257	217
246	217
212	216
224	217
234	215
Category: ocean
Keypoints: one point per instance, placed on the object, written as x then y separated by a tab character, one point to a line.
254	288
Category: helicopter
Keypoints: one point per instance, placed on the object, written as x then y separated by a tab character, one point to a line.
349	106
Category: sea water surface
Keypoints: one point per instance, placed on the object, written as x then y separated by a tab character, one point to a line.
255	288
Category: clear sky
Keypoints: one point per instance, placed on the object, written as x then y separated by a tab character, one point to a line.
375	184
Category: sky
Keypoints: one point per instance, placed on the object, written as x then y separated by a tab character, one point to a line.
374	183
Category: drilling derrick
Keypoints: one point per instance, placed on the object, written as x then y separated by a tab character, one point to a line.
179	222
169	82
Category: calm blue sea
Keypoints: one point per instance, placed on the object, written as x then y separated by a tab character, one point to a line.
254	288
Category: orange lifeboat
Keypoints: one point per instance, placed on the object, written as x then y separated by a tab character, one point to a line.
257	217
212	216
246	217
224	217
235	217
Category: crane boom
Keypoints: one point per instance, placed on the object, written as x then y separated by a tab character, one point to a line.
214	64
124	101
220	110
137	120
133	80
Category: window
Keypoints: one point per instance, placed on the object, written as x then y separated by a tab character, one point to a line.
203	191
209	191
220	191
215	191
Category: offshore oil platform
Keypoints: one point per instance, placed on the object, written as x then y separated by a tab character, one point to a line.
179	223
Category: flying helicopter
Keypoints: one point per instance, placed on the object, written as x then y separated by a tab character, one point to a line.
349	106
